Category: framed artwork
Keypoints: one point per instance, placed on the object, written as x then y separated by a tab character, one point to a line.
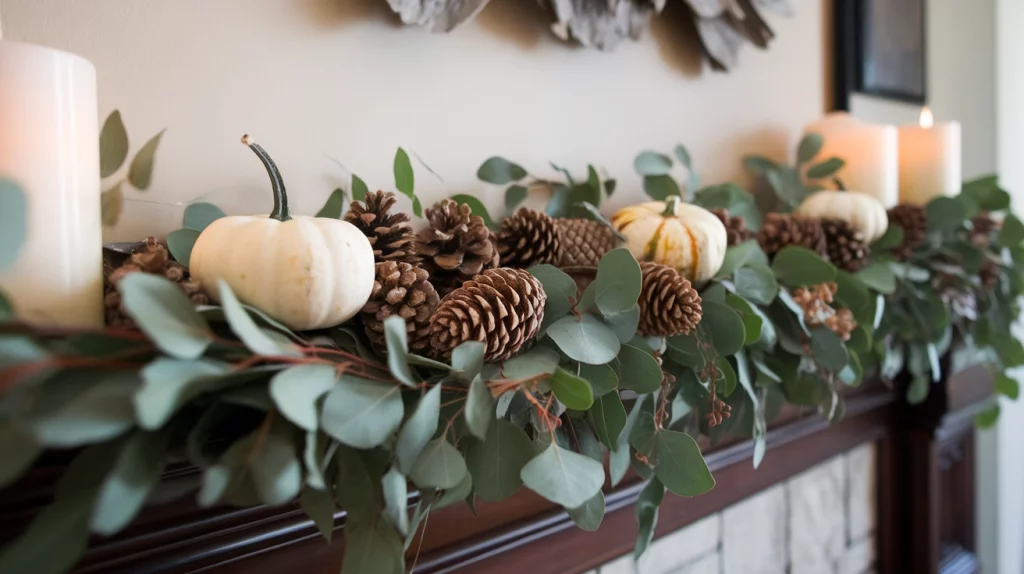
880	50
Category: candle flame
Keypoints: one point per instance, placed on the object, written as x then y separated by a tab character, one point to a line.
927	118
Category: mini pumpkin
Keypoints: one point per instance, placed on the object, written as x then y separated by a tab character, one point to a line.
687	237
307	272
862	211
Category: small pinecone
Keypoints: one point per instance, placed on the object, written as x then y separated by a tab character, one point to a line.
669	305
527	238
912	219
404	290
584	242
847	249
456	247
735	227
390	234
989	273
501	307
983	228
782	230
150	257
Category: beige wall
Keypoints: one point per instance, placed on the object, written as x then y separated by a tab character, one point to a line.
318	78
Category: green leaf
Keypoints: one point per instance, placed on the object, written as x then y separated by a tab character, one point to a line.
362	413
660	187
798	267
652	163
499	171
198	216
617	286
1012	232
103	410
753	324
276	470
558	205
647	504
945	214
334	206
739	255
828	348
1007	386
126	487
725	327
479	407
725	376
536	361
359	189
297	389
559	287
988	418
140	173
986	193
468	358
809	147
13	222
396	497
20	451
892	238
496	462
317	454
404	178
602	378
878	276
55	539
515	195
609	186
589	516
574	392
180	243
756	282
168	384
477	208
440	465
624	324
460	493
609	418
355	490
113	144
587	340
683	155
416	432
640	371
680	466
319	507
396	338
372	546
851	292
563	477
759	164
827	168
165	314
244	327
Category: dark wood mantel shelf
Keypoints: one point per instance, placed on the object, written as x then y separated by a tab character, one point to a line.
926	504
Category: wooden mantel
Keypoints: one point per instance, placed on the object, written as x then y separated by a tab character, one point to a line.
925	486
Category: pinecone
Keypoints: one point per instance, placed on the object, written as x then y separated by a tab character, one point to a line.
782	230
456	247
990	273
584	242
912	219
669	305
390	234
847	249
983	229
527	238
501	307
735	227
149	257
404	290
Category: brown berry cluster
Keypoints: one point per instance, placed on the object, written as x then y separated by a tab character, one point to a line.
816	302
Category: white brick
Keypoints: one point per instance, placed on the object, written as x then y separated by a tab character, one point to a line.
710	564
670	552
621	565
863	500
817	518
860	557
754	534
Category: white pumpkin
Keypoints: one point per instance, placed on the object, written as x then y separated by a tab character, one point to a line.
307	272
860	210
680	235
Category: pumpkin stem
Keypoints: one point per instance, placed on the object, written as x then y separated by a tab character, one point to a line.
839	184
281	212
671	204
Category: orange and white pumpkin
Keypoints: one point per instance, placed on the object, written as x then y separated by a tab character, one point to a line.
687	237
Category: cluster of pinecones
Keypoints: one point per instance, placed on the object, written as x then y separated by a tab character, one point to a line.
149	256
833	239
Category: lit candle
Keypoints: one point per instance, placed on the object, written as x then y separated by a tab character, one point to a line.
870	151
49	146
930	160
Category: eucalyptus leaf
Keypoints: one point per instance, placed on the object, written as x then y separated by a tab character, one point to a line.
515	195
660	187
499	171
574	392
359	189
647	504
319	507
988	418
245	328
625	323
13	222
753	324
537	361
180	244
372	546
20	451
809	147
759	164
1011	234
362	413
333	207
559	288
165	314
639	370
680	465
829	350
355	488
477	208
945	214
756	283
439	465
497	461
198	216
602	378
724	326
479	407
113	144
563	477
796	266
739	255
405	180
140	172
609	419
296	391
586	340
126	487
276	470
396	338
652	163
102	411
396	494
878	276
827	168
1007	386
892	238
589	516
169	384
468	358
617	286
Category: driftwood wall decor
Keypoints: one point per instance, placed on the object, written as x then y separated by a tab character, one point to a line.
723	26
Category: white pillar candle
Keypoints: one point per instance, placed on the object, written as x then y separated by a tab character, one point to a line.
930	160
871	153
49	146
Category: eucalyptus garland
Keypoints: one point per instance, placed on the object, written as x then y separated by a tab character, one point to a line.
270	415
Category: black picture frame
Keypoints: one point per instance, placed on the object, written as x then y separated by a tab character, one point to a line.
881	50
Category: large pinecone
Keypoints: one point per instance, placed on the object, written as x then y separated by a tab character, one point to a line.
847	248
735	227
914	222
669	305
390	234
456	247
584	242
782	230
501	307
149	257
527	238
404	290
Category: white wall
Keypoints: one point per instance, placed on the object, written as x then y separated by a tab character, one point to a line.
317	78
